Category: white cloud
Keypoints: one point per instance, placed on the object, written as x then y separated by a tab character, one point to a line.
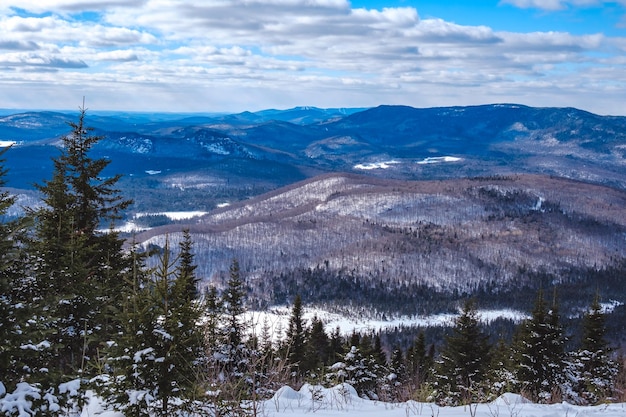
245	54
62	6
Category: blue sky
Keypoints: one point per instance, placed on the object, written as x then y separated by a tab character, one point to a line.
236	55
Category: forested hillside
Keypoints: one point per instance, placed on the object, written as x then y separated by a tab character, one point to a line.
399	247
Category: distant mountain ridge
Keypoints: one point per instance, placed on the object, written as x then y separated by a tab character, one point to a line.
259	151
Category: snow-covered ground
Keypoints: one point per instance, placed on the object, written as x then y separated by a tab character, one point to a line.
130	226
342	401
277	318
388	164
438	159
376	165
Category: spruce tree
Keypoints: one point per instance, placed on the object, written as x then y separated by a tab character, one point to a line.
539	352
355	369
594	370
296	337
161	347
317	348
464	359
186	269
232	350
76	266
419	362
14	296
501	376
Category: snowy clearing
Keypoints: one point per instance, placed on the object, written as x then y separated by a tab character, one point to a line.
376	165
438	159
174	215
342	400
277	319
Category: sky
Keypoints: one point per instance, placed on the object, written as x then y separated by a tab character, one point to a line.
238	55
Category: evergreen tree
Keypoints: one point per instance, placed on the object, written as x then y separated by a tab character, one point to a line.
296	337
213	310
379	355
593	369
419	362
336	346
77	267
232	350
539	352
157	355
501	376
391	384
464	359
317	348
186	269
13	294
398	365
355	370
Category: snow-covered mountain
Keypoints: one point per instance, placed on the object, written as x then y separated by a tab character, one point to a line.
390	247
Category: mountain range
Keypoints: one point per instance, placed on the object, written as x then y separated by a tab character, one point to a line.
389	208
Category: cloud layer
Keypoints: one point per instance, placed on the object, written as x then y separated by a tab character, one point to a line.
234	55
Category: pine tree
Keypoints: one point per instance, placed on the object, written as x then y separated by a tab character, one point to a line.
186	269
77	267
501	376
378	354
13	298
355	370
463	362
594	371
157	354
212	314
398	364
232	350
296	337
539	352
317	348
419	362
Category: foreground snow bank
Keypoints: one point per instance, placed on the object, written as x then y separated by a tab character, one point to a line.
342	400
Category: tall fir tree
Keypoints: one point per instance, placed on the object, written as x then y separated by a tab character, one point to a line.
14	294
593	369
539	352
76	267
462	366
317	348
501	376
186	269
157	355
419	362
296	338
233	349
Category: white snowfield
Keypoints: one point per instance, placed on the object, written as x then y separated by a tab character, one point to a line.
342	400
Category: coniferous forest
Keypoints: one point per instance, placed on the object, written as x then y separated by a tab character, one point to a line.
84	310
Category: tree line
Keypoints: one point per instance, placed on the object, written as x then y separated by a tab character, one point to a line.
80	311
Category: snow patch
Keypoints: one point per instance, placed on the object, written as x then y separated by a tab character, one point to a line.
277	318
376	165
174	215
438	160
